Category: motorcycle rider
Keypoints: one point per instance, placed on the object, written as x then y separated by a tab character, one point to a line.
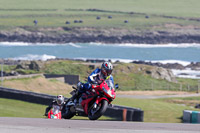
58	101
96	77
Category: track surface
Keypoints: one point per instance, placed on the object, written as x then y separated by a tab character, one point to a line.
39	125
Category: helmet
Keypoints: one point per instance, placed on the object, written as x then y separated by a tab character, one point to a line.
106	69
60	99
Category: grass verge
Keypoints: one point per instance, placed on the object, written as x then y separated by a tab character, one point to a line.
158	111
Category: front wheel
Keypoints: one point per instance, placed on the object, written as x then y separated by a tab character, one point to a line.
68	114
97	111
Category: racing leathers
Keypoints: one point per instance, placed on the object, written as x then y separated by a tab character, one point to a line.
94	78
51	106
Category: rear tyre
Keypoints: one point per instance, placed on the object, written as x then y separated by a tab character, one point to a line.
95	113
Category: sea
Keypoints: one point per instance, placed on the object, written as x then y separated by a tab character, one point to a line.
164	53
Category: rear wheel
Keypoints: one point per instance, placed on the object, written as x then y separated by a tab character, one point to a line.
97	111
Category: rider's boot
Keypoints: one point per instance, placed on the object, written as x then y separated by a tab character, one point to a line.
77	94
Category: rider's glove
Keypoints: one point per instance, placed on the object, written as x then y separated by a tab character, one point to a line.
100	81
95	82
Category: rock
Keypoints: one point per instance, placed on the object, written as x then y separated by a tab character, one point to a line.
173	66
90	34
168	65
32	65
23	65
162	73
194	66
35	65
14	73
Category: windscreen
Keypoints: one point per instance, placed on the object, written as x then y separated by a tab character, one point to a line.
110	84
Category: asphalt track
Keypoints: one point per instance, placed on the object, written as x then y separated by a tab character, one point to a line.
39	125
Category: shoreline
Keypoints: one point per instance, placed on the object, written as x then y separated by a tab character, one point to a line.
142	45
105	36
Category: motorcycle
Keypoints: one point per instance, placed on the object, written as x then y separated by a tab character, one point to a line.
93	103
54	113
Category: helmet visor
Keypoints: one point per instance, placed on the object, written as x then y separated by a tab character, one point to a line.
106	72
59	101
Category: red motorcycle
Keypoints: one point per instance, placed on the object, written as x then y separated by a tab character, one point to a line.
55	112
92	103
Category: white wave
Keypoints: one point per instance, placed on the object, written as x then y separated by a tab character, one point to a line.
186	73
184	63
26	44
183	45
98	44
170	45
14	44
43	57
74	45
36	44
106	59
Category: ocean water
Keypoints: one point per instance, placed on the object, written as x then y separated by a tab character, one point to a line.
169	53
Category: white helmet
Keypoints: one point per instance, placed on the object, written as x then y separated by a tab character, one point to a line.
60	99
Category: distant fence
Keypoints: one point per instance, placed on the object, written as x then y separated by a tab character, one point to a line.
121	113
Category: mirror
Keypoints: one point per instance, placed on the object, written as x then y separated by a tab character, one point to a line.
116	86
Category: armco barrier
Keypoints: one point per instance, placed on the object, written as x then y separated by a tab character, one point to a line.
121	113
191	116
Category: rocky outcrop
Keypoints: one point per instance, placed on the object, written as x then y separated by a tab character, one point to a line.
162	73
32	65
153	71
86	35
168	65
194	66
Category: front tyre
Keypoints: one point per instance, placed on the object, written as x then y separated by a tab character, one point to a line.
97	111
68	114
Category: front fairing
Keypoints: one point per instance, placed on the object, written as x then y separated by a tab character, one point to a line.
55	112
56	109
108	89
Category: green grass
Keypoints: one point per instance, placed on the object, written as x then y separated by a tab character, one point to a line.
130	78
127	75
188	101
156	110
14	108
170	7
66	67
54	14
190	98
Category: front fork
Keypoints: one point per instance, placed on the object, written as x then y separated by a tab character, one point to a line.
96	103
